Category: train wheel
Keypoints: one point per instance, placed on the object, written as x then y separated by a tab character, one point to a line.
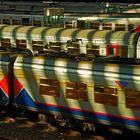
17	111
42	118
89	127
61	121
74	123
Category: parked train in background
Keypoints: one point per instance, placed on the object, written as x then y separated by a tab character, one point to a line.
71	40
48	17
124	22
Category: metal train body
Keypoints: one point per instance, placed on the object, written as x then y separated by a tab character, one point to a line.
22	19
92	91
122	21
33	19
74	41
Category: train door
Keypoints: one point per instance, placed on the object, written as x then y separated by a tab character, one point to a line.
112	49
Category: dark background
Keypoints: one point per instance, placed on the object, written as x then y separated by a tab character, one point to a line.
113	1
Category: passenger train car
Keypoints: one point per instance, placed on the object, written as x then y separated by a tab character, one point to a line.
33	19
121	21
98	91
73	41
22	19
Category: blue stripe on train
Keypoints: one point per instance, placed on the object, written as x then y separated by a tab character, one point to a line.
24	99
90	115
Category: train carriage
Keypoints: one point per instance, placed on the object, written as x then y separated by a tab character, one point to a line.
55	17
82	41
100	92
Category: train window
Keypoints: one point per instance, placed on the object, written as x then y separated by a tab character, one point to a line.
80	23
107	26
37	45
5	42
92	45
132	98
55	43
130	27
77	91
49	87
25	21
94	25
119	27
6	21
73	46
55	46
54	19
68	24
105	95
36	23
21	43
37	42
73	50
73	43
92	49
15	22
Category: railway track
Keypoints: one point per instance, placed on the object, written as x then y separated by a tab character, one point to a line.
28	127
